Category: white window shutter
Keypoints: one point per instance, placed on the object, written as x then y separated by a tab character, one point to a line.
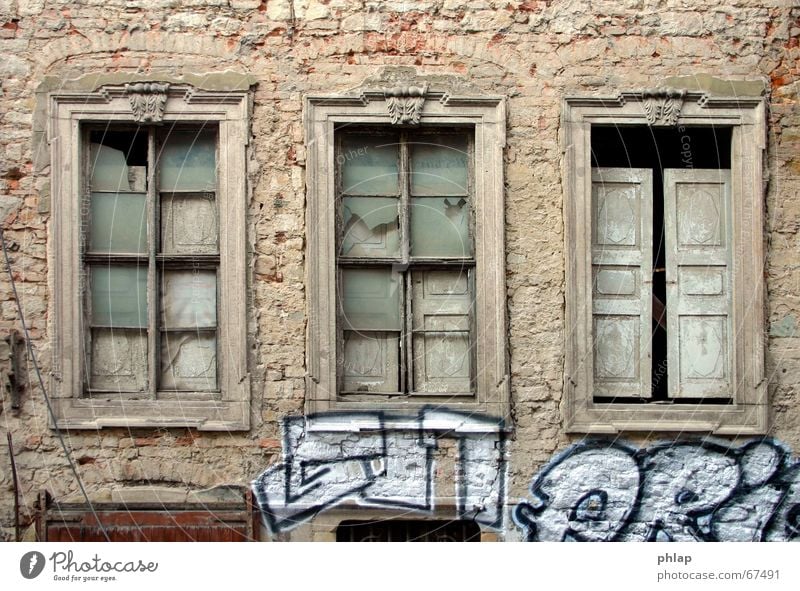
622	263
698	242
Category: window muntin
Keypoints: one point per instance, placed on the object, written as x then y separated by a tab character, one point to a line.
151	259
405	263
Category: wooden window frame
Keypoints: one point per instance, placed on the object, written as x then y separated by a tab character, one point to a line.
749	412
485	118
409	264
179	104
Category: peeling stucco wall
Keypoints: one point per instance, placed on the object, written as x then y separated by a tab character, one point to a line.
533	52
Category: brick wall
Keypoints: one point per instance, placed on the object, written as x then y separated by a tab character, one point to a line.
534	52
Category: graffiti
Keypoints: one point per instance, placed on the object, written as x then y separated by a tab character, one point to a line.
685	491
383	460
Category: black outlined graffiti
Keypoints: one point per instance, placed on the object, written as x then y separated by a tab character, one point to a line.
682	491
383	460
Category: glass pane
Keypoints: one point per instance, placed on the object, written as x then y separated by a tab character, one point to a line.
189	299
119	295
371	227
189	224
119	360
371	299
371	362
189	361
439	165
369	165
118	223
439	227
188	162
110	170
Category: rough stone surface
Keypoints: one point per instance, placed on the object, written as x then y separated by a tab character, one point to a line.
533	52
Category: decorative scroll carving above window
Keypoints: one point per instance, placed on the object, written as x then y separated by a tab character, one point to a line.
148	100
662	106
405	103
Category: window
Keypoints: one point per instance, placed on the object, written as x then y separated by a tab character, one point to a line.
406	257
149	215
405	263
406	530
176	318
664	274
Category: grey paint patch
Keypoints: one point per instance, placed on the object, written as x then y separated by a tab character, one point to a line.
390	76
785	327
717	86
8	203
213	81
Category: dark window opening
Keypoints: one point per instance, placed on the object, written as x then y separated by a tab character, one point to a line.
131	142
408	531
680	147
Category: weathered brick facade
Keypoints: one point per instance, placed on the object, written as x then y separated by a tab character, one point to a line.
534	53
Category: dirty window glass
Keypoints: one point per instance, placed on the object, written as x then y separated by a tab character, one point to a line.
405	265
151	259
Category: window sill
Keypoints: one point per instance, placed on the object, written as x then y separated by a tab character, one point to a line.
611	419
203	415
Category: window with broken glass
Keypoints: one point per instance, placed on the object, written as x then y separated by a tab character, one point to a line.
150	258
405	262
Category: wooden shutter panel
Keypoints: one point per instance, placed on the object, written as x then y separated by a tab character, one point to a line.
698	241
622	262
442	355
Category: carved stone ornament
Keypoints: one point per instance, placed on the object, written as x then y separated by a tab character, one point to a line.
662	106
148	100
405	103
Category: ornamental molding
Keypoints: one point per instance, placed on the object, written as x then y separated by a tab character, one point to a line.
405	103
662	106
148	100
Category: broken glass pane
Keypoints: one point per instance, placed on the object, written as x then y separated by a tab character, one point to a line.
119	360
371	299
189	299
369	165
118	223
439	165
371	227
119	295
188	162
109	169
188	361
189	224
118	160
439	227
371	362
